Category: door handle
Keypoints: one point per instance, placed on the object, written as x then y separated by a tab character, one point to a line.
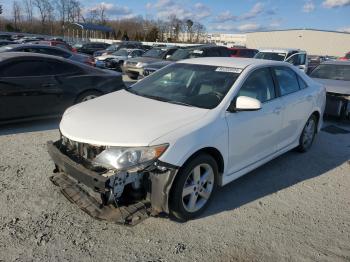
48	84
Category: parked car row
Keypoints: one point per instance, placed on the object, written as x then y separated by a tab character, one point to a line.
34	85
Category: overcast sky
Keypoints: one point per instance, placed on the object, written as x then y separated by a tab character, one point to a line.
234	16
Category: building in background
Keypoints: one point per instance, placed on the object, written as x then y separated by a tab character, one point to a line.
315	42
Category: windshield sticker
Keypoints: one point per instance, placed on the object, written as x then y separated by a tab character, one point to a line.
197	51
229	70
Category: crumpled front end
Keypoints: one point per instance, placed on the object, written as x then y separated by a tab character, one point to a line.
123	196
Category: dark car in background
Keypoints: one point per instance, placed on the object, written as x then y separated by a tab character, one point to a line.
6	42
117	46
335	76
185	53
56	43
133	67
92	47
242	52
49	50
40	86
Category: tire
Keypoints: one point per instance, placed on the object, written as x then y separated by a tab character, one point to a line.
308	134
88	95
133	76
188	204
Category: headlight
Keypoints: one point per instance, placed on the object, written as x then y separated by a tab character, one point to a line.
140	64
122	158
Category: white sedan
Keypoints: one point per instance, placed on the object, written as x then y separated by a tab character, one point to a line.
176	136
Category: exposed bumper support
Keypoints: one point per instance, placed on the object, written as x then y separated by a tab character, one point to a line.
161	176
75	170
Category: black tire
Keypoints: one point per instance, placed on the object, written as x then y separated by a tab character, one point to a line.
177	205
88	95
307	138
133	76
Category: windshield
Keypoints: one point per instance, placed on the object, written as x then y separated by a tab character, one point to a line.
121	52
5	48
112	48
155	52
271	56
187	84
333	72
181	54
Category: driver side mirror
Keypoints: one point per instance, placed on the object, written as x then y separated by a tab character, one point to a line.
244	103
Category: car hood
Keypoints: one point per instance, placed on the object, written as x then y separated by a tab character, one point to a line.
144	59
125	119
335	86
103	57
159	65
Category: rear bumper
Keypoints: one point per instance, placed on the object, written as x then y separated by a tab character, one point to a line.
77	171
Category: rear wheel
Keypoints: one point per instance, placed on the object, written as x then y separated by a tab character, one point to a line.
308	135
193	188
87	96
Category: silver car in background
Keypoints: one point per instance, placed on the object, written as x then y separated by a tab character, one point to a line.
335	76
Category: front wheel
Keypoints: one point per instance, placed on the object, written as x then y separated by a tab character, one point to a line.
308	135
193	187
86	96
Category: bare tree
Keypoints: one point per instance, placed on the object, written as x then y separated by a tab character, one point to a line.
17	14
28	10
45	9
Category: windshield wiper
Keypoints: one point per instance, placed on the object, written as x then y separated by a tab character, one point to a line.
179	103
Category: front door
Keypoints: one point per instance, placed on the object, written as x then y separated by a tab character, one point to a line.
254	135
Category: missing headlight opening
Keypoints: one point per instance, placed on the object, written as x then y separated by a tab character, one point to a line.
129	181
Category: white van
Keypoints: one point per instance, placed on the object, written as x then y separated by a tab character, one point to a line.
295	57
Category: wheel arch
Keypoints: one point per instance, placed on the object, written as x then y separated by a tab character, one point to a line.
86	91
317	114
213	152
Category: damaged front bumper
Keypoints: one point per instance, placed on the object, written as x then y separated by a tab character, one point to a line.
82	185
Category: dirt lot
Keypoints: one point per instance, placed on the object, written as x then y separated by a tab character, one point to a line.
296	208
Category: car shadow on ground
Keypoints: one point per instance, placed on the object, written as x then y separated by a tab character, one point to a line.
29	126
283	172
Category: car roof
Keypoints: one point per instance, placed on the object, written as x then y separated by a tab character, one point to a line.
336	62
280	50
230	62
9	55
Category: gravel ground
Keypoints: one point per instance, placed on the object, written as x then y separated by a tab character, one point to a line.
295	208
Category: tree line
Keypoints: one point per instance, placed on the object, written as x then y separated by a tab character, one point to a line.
51	17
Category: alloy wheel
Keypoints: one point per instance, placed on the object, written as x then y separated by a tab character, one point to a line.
198	187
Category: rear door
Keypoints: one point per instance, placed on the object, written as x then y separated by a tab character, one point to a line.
297	104
28	88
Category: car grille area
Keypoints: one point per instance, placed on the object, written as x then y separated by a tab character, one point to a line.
81	151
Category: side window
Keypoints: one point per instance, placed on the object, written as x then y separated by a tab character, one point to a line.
302	83
212	52
224	52
287	80
27	68
259	85
302	59
55	52
61	68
